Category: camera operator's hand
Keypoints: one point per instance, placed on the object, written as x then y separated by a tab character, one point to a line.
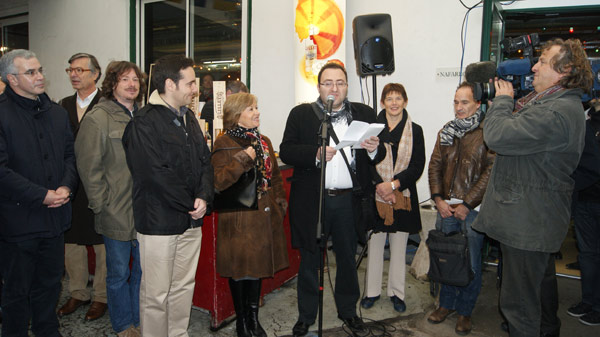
503	88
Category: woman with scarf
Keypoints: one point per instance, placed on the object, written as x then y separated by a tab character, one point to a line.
459	169
251	244
396	199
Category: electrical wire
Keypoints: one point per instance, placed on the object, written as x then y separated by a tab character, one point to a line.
463	36
373	328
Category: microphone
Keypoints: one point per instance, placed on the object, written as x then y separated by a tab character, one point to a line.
480	72
330	100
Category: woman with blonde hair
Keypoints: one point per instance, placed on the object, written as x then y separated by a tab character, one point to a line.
251	244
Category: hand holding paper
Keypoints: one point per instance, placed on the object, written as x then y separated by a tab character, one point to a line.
357	132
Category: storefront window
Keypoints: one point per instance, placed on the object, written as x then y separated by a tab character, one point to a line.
13	36
213	39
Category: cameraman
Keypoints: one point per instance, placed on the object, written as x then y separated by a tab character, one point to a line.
538	140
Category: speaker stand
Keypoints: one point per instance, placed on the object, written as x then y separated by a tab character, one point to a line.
375	94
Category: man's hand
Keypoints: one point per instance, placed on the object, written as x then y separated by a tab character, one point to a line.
329	153
503	88
370	144
57	198
199	209
461	211
442	206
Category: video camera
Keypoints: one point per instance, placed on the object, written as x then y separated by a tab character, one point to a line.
516	71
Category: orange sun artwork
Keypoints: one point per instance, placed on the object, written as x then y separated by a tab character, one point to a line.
320	26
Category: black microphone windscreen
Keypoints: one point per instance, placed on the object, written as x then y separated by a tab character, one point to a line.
480	72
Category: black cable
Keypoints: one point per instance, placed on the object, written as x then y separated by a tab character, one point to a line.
375	328
469	8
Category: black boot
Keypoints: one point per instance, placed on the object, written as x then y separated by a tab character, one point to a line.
252	290
238	296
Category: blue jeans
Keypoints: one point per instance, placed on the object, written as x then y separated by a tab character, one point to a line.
31	270
587	229
462	299
123	283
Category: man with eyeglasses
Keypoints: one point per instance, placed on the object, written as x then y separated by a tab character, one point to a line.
84	72
37	175
300	148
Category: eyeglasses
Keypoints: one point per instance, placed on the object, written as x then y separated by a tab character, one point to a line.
32	72
77	70
330	84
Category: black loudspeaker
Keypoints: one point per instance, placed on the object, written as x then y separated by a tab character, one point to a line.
373	45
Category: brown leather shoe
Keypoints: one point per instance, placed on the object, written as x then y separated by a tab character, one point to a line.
439	315
70	307
96	310
463	325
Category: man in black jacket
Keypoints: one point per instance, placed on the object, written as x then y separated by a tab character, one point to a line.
586	199
37	175
300	148
172	186
84	72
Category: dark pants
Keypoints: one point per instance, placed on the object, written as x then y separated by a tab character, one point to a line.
529	292
587	229
32	271
339	223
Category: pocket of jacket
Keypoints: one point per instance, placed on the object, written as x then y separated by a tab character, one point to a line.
508	194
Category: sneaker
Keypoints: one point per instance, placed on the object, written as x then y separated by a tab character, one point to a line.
399	304
592	318
579	309
368	302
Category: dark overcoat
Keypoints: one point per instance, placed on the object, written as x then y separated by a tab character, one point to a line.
299	149
82	230
36	155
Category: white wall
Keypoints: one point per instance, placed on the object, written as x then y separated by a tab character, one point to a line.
61	28
426	36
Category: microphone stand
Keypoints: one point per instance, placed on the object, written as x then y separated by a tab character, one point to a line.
321	239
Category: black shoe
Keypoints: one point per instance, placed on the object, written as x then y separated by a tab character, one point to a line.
579	309
504	326
300	329
399	304
355	324
550	334
368	302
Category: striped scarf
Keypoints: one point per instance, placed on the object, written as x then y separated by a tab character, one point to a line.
459	127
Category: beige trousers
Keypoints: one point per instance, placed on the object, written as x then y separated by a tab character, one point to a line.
169	265
76	265
397	269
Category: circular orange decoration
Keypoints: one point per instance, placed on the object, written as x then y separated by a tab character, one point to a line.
324	20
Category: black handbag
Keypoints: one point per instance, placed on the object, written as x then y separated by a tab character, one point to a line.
449	258
242	195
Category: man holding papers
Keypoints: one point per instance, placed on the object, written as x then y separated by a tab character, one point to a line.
300	148
459	169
